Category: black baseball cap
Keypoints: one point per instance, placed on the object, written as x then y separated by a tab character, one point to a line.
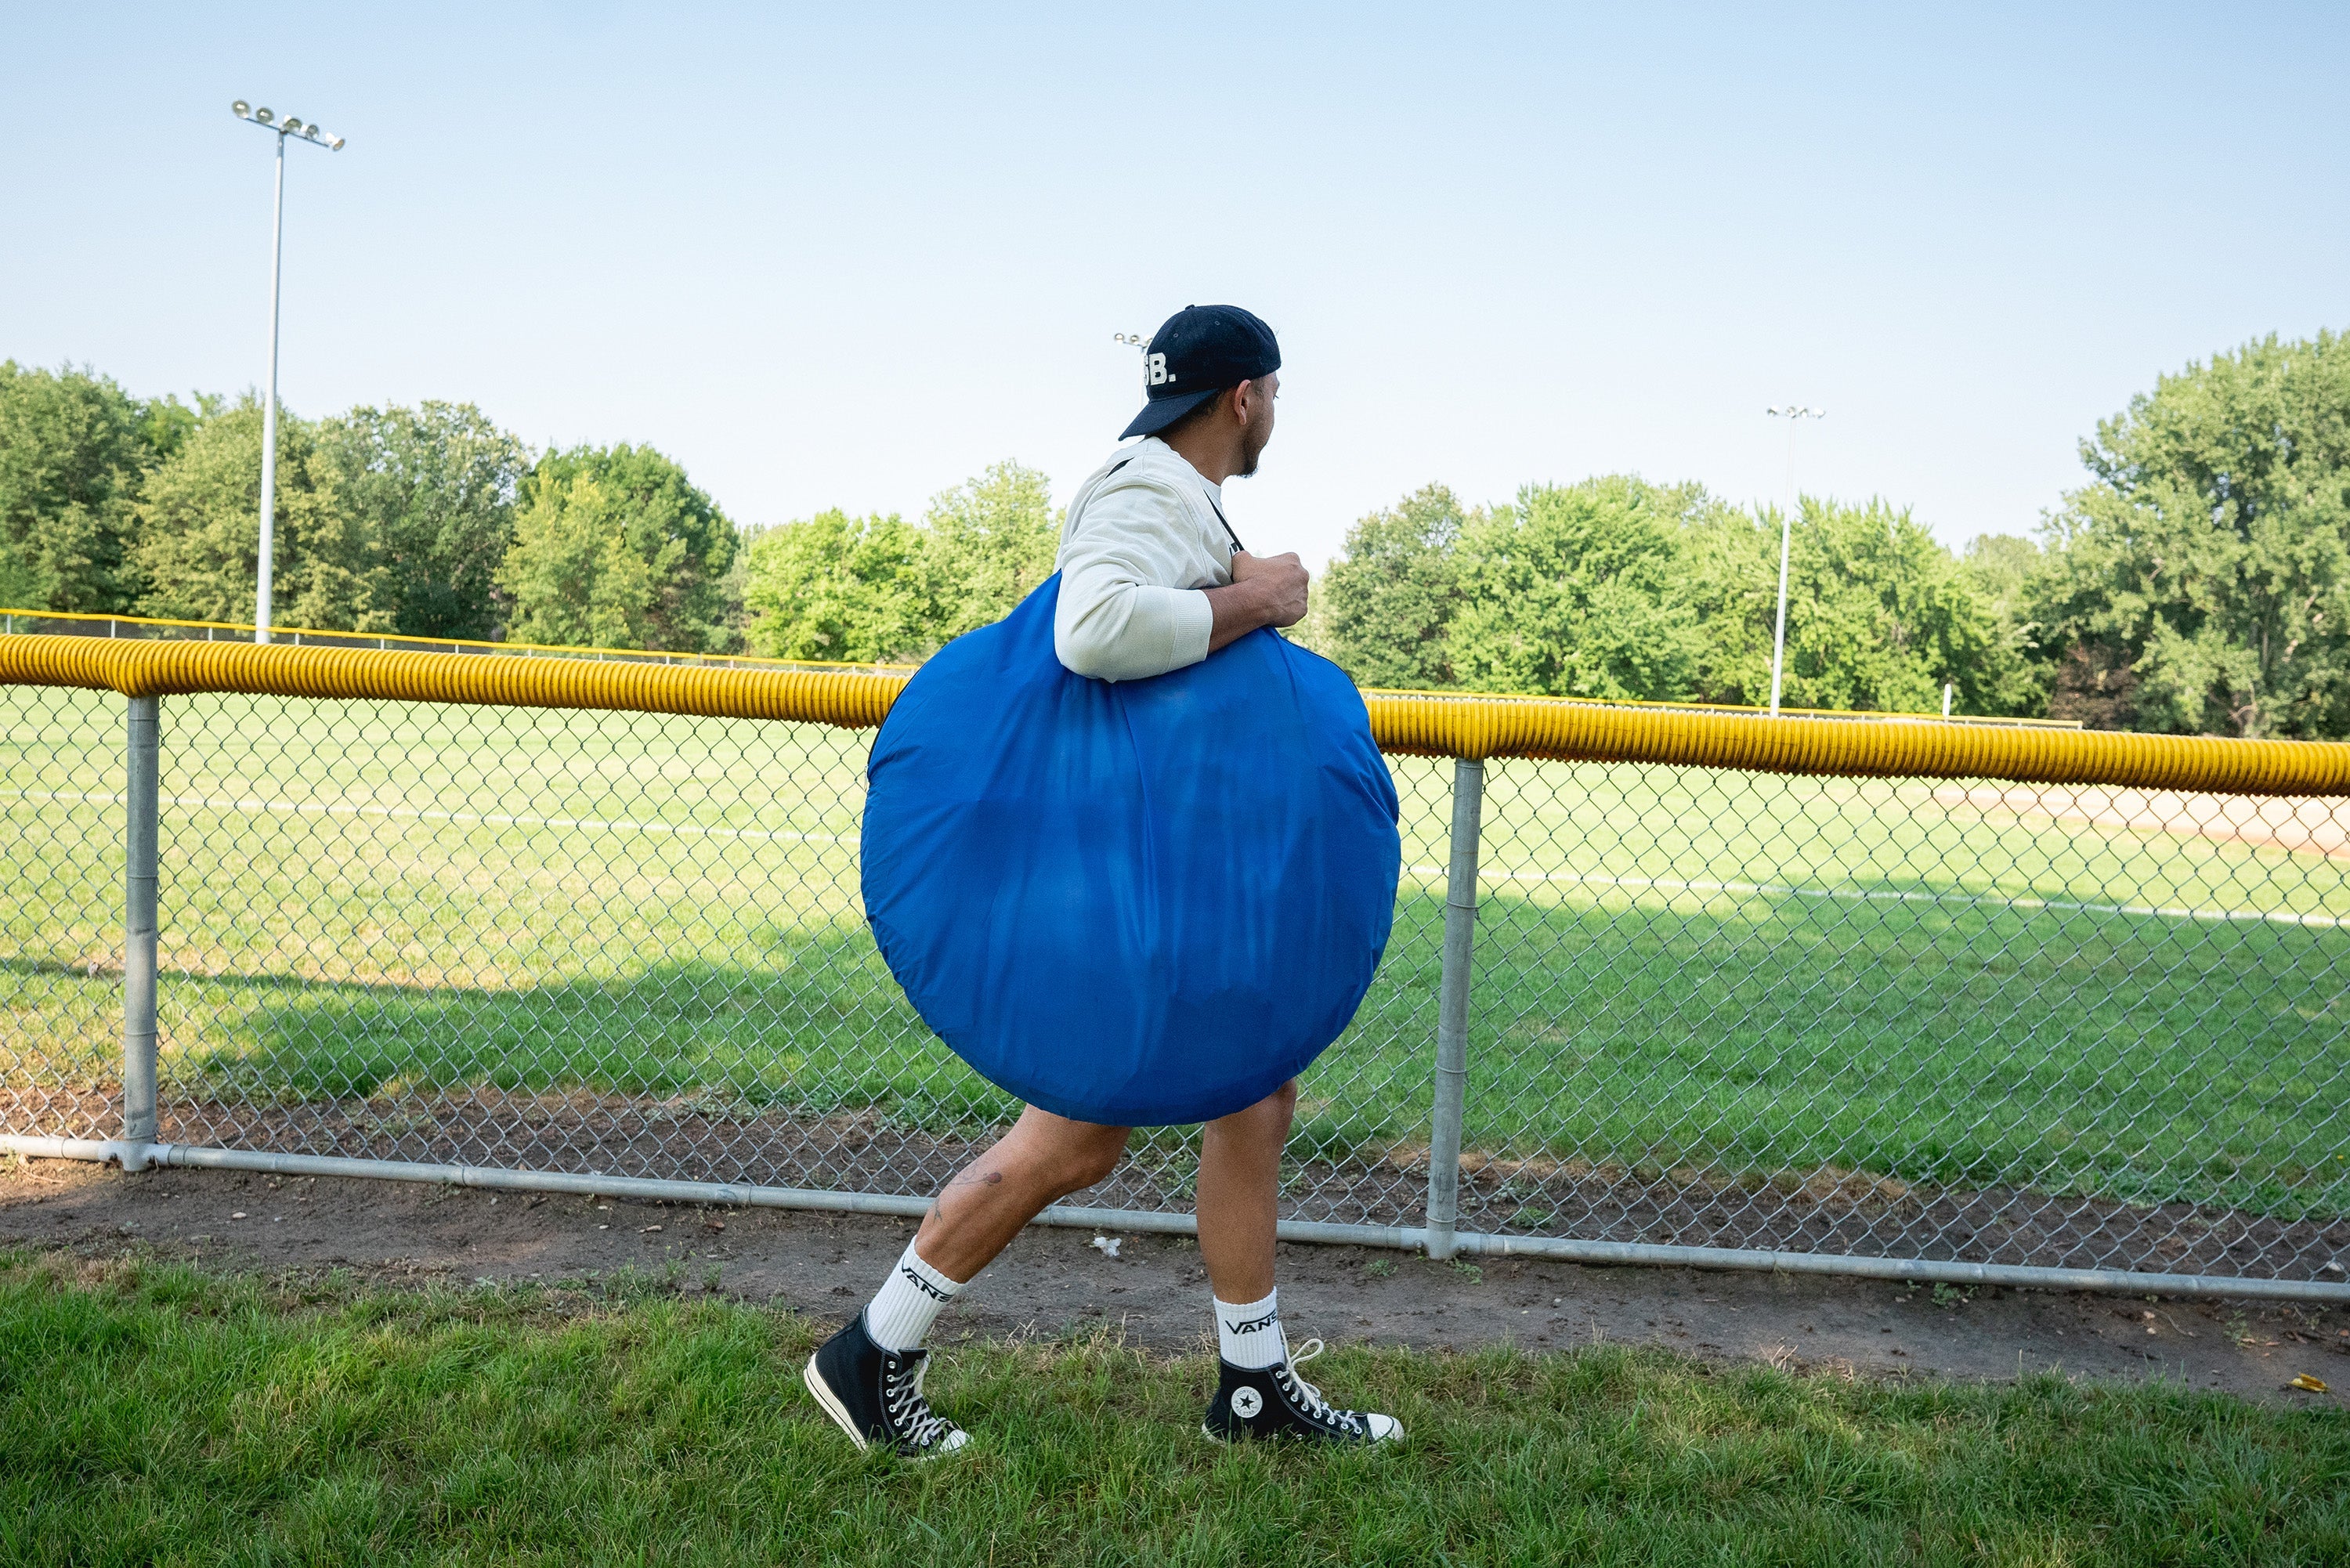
1201	349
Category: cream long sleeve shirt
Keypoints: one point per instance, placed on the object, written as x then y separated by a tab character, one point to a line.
1142	537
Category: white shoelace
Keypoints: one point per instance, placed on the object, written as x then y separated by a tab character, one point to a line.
1310	1397
910	1412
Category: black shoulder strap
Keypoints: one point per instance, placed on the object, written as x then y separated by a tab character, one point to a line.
1238	548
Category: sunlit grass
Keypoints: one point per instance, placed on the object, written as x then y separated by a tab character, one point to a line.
157	1414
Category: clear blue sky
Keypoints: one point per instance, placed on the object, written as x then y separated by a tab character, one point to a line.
845	257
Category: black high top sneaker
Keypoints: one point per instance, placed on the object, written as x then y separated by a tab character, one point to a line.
876	1395
1274	1402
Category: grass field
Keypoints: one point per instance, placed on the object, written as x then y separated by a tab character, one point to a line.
1748	974
157	1414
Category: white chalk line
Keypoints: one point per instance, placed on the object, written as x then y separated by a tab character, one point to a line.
1660	884
493	819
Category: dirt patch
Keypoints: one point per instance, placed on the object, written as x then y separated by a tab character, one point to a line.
692	1138
1054	1282
1851	1212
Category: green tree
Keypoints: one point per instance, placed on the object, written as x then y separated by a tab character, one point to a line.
866	590
836	587
1879	615
165	423
199	527
75	450
1580	590
614	548
428	494
986	545
2000	570
1384	611
2200	582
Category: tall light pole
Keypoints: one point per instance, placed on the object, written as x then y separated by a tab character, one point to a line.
1791	413
281	129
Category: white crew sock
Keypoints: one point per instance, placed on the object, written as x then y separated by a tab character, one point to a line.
1250	1336
910	1301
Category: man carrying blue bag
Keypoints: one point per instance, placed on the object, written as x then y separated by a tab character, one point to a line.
1133	857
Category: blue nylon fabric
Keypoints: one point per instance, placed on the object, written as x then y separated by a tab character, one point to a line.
1139	903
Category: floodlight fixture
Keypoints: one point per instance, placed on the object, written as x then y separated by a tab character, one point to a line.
312	132
1136	340
1790	412
309	130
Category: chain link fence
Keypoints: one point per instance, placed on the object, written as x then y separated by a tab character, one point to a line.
1697	1013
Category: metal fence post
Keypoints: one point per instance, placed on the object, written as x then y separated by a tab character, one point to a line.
1452	1007
138	1124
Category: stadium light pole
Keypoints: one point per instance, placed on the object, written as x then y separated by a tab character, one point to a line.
290	125
1791	413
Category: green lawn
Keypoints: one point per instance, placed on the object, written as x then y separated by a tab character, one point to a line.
157	1415
1680	968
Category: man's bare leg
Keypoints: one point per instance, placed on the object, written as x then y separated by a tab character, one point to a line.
1240	1181
1258	1391
868	1376
1041	1160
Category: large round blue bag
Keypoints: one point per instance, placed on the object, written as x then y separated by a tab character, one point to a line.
1136	903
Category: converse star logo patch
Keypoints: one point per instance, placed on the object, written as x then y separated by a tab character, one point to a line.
1246	1403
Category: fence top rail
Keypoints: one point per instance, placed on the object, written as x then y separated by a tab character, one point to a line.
1846	715
392	642
1410	723
85	623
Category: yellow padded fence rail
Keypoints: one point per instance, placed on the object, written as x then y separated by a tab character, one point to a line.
177	669
1864	748
1416	723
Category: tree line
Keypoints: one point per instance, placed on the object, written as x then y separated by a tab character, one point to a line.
2199	581
433	522
424	522
1614	588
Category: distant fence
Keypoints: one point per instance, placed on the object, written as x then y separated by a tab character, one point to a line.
1894	996
147	629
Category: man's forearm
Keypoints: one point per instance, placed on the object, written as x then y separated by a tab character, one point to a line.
1240	608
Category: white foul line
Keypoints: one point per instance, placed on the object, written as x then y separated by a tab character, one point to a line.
1667	884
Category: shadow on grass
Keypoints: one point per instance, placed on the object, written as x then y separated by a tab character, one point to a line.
1952	1042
